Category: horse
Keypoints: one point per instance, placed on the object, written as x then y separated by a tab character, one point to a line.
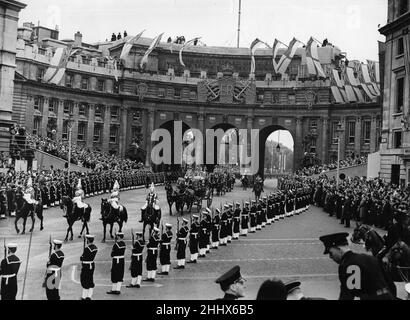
398	262
257	189
73	214
188	198
373	242
173	197
151	218
24	210
245	183
110	216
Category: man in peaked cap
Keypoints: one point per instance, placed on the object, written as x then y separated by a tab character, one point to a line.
294	292
118	264
53	273
136	261
245	220
88	267
360	275
165	250
9	268
193	239
232	284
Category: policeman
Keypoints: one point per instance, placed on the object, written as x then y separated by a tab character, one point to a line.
245	220
181	244
165	250
53	273
88	268
360	275
215	229
152	255
252	215
9	269
136	261
236	221
193	239
232	284
118	264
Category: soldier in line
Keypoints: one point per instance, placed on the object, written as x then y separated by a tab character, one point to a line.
215	229
165	250
118	264
224	227
136	261
181	244
245	220
53	273
203	232
236	221
88	268
230	220
9	268
252	215
193	239
152	255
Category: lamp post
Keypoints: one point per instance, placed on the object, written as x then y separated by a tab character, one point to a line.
70	128
339	132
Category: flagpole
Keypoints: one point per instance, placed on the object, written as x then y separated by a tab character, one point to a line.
239	23
25	273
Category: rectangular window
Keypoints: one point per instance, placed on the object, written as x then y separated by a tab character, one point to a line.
403	7
101	85
53	105
68	107
81	131
40	74
291	98
136	115
38	103
161	92
36	125
400	46
99	111
84	83
69	80
177	93
366	132
313	123
397	139
114	112
334	132
400	95
97	134
82	109
64	135
352	131
113	134
192	95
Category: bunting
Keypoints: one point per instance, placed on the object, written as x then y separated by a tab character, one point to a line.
113	61
337	88
275	50
374	72
183	47
254	46
367	84
153	45
288	56
58	64
312	59
128	45
354	84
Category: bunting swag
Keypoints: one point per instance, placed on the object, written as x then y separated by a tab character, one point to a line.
337	88
58	65
375	74
128	45
312	60
275	50
253	48
183	47
287	56
367	83
354	83
153	45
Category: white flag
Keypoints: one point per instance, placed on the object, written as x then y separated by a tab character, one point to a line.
154	43
183	47
128	45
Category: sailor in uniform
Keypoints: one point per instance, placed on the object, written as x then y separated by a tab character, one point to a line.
165	250
193	239
181	244
53	273
236	221
88	267
252	215
215	229
224	227
9	268
245	220
152	254
118	264
136	261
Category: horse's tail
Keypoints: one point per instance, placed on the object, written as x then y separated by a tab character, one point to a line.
87	214
125	214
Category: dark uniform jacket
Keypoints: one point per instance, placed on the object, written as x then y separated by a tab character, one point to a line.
9	269
370	283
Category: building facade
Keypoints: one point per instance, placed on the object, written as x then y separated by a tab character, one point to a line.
109	107
395	143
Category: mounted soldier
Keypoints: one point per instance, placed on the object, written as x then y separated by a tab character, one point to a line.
115	198
151	201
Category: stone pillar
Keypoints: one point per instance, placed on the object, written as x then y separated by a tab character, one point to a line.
151	123
201	127
60	119
44	120
343	139
74	130
123	131
9	12
298	146
358	135
325	139
29	114
373	134
106	129
90	126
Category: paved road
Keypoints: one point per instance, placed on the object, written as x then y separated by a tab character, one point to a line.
287	249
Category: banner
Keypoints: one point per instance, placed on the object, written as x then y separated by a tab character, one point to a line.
337	88
275	50
288	56
153	45
312	59
128	45
354	83
58	65
367	85
254	46
183	47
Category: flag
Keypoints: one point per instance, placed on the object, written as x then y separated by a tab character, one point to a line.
128	45
337	88
58	64
287	56
113	61
312	59
275	50
374	72
183	47
253	48
367	84
354	85
152	46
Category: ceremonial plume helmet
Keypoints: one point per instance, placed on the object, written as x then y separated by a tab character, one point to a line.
116	186
29	185
152	187
79	191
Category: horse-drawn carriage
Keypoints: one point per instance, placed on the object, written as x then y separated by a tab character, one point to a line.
201	192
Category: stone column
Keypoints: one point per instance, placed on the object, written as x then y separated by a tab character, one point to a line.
74	130
358	135
9	12
90	126
343	139
60	119
123	131
151	123
325	140
44	120
201	127
373	134
106	129
298	146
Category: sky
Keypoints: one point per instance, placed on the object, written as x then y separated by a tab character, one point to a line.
352	25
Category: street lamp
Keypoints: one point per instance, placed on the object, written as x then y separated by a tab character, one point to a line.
339	132
69	122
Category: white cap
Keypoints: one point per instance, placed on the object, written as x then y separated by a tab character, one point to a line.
57	242
11	245
208	210
226	206
185	220
119	234
168	225
89	236
195	216
247	202
156	229
217	210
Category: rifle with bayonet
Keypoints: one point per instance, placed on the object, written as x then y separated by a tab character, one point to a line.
50	248
176	240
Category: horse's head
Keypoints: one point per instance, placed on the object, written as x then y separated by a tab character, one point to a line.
400	254
65	202
359	233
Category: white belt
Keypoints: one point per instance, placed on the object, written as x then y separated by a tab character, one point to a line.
55	270
90	263
183	239
7	277
153	249
118	258
166	244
